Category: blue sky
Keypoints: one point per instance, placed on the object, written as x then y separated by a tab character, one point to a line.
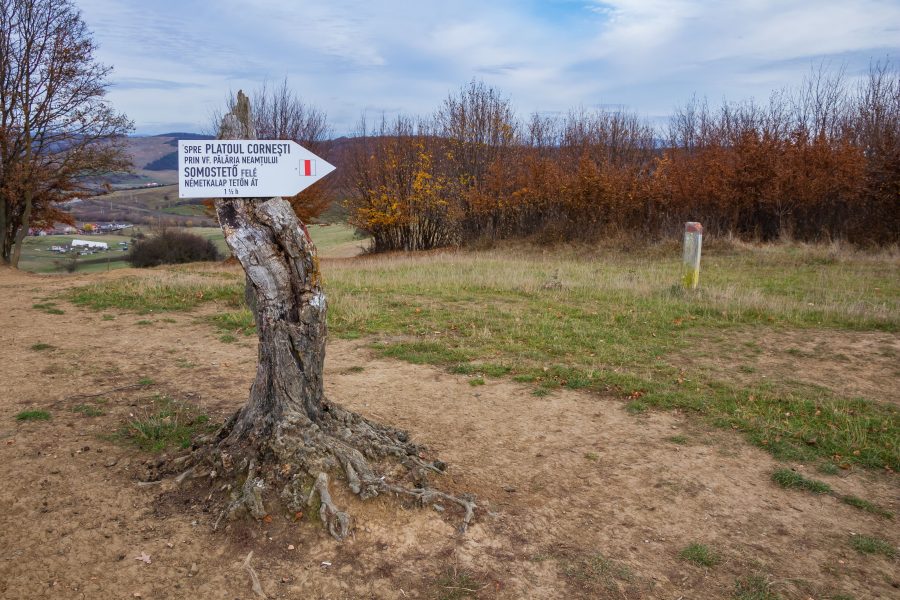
175	61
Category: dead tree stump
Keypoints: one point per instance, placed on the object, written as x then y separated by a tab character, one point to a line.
278	451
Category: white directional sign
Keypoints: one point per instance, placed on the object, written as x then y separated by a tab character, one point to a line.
246	168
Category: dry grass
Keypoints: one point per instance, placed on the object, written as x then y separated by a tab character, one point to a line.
797	283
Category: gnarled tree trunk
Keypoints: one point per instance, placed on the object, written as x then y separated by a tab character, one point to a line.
280	448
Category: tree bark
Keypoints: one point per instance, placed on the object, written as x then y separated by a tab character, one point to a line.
4	260
289	306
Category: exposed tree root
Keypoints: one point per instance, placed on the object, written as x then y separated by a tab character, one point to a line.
338	522
427	496
287	469
254	578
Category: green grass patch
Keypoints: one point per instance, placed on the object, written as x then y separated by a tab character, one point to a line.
356	369
487	369
828	468
636	407
455	585
145	381
171	291
41	346
872	545
754	587
792	480
167	424
596	571
422	352
700	554
49	308
476	381
88	410
236	322
33	415
227	338
867	506
681	440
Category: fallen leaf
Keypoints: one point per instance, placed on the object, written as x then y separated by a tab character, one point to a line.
143	557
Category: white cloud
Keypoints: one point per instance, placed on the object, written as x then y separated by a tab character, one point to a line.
177	59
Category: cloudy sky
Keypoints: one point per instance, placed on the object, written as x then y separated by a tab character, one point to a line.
176	60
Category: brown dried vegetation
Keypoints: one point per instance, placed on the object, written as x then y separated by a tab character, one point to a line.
819	163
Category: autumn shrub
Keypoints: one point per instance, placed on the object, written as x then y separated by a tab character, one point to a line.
399	197
172	247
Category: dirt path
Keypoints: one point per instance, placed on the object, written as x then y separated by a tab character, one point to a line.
582	499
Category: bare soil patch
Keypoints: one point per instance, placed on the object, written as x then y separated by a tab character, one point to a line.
581	499
849	363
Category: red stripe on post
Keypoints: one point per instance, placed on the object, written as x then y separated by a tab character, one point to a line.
307	168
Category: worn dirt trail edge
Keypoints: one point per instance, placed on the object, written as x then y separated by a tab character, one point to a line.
280	448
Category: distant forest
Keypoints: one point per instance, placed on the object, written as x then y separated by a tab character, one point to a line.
168	162
820	162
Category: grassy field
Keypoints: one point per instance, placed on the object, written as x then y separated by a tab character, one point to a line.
37	257
615	323
155	198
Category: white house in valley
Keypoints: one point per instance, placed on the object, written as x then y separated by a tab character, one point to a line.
89	244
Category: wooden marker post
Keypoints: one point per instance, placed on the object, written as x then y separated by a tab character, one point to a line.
690	269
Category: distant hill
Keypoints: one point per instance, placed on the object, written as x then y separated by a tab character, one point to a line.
181	135
154	159
169	162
